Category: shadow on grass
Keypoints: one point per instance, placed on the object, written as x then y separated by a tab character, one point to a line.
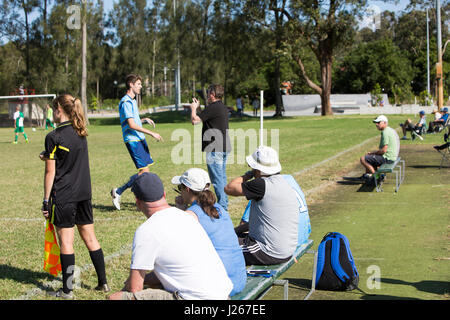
353	181
111	209
436	287
25	276
305	284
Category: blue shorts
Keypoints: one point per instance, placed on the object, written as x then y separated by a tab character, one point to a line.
139	153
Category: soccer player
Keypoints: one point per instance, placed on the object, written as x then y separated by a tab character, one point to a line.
49	117
67	191
133	134
18	125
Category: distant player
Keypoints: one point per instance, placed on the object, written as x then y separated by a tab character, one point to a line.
18	125
49	117
133	134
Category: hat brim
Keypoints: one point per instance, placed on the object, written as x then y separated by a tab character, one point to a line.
264	169
176	180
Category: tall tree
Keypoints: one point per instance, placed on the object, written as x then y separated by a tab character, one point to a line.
324	26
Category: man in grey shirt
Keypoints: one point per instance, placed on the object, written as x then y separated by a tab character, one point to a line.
274	211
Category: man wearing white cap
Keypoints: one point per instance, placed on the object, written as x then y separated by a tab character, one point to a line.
274	210
387	151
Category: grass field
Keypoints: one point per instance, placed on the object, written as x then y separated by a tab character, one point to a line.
405	235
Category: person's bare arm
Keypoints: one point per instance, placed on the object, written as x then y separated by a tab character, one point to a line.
134	126
49	177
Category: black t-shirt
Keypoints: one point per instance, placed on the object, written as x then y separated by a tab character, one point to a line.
215	116
70	151
254	189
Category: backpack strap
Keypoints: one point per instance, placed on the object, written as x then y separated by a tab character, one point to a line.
320	260
335	264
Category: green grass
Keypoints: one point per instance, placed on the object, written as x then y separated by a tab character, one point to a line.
304	141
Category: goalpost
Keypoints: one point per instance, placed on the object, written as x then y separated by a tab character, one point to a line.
32	106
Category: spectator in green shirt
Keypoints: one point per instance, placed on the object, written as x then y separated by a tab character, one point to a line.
387	151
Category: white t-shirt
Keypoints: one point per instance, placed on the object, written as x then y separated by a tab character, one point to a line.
176	247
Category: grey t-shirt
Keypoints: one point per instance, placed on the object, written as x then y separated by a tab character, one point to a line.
273	221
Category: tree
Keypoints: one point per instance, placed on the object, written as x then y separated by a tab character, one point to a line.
323	28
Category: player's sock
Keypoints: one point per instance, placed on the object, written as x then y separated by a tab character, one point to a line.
15	138
99	265
25	136
68	267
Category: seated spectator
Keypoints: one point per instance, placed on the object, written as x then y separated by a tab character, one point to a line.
194	187
387	152
274	211
416	129
174	245
436	124
436	114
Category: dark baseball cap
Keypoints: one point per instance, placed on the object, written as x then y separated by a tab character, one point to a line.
148	187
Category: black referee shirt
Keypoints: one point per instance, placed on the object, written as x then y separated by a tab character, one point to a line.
70	151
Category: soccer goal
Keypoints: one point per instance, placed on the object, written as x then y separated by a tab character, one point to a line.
33	106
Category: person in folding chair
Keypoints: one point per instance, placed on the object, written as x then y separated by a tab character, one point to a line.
439	124
444	150
418	129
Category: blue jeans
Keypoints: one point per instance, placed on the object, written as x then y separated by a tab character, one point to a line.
127	184
216	163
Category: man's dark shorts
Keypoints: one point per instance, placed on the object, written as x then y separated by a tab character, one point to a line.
375	160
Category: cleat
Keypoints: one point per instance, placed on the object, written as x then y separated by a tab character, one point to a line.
103	287
115	198
60	294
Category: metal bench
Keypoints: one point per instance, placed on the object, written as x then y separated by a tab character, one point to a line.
398	167
256	287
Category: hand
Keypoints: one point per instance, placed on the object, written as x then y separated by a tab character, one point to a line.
195	104
149	121
44	209
179	203
41	156
157	137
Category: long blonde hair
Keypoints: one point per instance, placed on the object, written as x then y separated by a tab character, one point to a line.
74	110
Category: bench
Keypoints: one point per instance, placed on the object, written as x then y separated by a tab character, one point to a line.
257	287
398	167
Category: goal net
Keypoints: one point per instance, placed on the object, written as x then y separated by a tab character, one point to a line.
32	106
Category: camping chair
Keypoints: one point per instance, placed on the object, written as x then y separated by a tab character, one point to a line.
444	150
441	127
419	133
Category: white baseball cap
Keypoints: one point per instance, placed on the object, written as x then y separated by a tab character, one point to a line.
195	179
381	118
264	159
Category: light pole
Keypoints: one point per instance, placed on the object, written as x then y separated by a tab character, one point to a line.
428	56
440	88
177	72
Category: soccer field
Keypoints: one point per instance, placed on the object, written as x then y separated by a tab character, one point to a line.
303	142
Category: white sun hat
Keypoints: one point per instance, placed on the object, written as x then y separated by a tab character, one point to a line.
195	179
264	159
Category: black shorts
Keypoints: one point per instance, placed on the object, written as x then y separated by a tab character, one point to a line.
69	214
253	253
375	160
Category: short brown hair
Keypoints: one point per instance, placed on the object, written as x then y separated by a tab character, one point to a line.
217	90
132	78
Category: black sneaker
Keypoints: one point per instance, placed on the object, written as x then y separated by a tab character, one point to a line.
103	287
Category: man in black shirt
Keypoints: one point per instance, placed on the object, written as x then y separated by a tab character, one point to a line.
215	139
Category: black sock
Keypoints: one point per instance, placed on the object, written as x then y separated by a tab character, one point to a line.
68	268
99	265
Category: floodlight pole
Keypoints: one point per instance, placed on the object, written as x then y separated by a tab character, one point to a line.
428	55
439	73
177	72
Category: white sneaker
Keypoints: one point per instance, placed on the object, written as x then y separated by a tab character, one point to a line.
115	198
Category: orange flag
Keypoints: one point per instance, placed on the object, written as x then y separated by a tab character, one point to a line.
52	262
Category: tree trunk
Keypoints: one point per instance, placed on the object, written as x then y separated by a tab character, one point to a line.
325	70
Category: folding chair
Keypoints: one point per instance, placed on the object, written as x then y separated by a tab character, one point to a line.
444	150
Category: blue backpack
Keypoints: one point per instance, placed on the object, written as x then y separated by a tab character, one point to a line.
336	268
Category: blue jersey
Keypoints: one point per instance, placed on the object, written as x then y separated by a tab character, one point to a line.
225	241
128	109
